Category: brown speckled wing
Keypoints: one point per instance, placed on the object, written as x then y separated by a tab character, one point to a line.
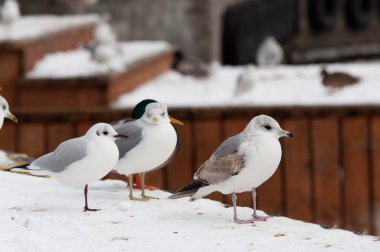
216	170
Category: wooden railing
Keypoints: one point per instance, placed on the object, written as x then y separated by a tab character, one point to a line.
329	174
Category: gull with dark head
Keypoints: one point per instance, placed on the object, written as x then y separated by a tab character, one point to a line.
79	161
241	163
5	112
152	142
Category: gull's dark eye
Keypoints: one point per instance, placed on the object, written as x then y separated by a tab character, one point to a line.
105	133
163	114
268	127
4	107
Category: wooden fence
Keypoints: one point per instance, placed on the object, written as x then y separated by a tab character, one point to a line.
329	174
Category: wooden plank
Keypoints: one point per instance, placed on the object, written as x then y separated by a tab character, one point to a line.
207	139
32	139
180	170
155	178
269	195
326	171
82	128
58	133
231	127
8	137
376	175
355	159
297	170
10	68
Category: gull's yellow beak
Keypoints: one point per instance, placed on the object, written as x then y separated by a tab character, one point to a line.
12	117
175	121
155	119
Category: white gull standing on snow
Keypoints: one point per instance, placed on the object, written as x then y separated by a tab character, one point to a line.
151	144
269	53
79	161
241	163
4	112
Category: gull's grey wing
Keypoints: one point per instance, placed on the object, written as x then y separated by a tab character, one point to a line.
229	146
133	130
66	153
224	162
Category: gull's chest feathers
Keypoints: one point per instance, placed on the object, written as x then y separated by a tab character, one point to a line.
263	156
157	145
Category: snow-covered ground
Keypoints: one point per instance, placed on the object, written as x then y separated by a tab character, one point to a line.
29	27
38	214
78	63
283	85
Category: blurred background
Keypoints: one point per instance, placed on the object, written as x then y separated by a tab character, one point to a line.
311	64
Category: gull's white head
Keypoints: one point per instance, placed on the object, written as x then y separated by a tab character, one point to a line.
4	112
264	125
103	131
156	113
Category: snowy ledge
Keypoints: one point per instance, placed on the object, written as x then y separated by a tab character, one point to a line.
30	27
40	215
285	85
78	63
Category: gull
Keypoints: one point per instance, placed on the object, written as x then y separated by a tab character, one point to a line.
79	161
241	163
152	142
4	112
10	12
269	53
246	81
10	159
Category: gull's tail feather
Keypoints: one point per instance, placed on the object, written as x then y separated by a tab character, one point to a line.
26	169
190	189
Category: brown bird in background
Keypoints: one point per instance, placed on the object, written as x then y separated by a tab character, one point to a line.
190	66
338	79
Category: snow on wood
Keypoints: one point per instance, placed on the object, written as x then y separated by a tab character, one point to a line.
283	85
78	63
30	27
38	214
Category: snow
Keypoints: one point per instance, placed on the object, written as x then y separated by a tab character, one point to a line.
30	27
78	63
282	85
38	214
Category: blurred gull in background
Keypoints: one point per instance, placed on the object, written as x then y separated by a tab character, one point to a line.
246	81
10	12
269	53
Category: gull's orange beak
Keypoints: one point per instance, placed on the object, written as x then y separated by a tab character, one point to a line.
12	117
175	121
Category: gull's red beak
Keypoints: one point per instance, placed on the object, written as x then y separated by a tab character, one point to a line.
120	136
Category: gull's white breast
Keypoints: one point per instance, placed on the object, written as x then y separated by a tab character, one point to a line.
157	145
262	159
101	159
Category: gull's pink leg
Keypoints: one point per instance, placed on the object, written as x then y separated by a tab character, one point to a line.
236	219
255	217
